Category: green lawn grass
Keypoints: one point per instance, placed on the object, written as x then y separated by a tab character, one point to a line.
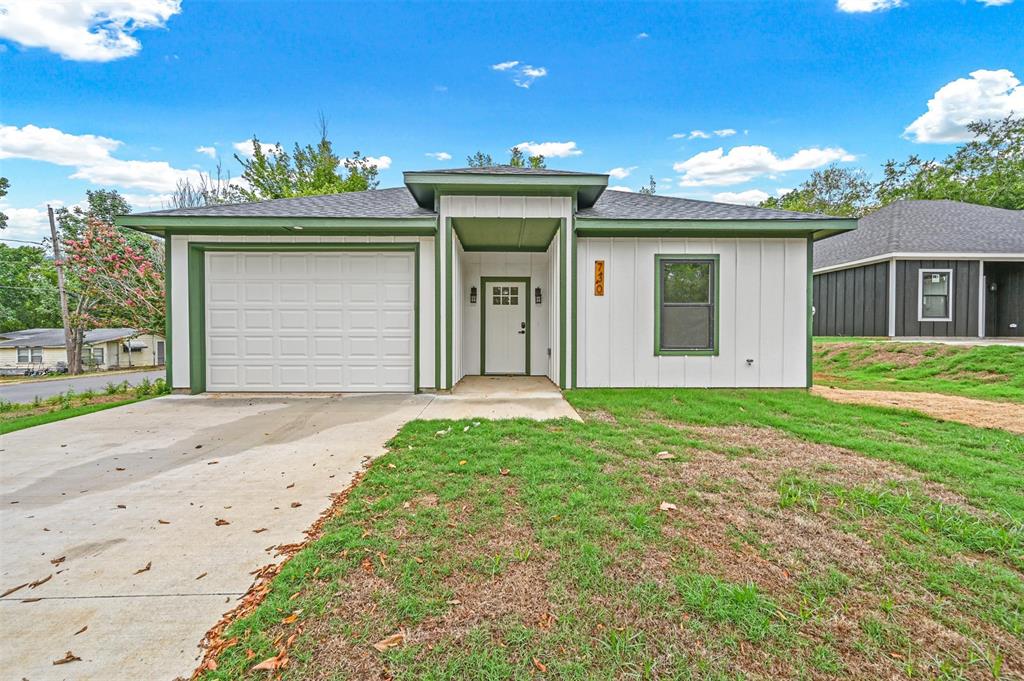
992	372
519	550
18	416
9	425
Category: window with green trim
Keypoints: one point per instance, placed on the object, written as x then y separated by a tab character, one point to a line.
686	304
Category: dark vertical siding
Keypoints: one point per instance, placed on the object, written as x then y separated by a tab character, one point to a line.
1005	305
964	301
852	302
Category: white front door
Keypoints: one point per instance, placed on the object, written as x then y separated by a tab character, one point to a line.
505	327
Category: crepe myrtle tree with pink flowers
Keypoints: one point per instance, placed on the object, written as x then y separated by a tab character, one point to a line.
115	277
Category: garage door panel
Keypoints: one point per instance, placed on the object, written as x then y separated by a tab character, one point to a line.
310	321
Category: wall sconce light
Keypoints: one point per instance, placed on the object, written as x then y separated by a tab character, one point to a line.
472	294
536	295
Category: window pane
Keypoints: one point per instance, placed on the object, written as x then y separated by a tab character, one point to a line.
686	282
97	354
37	355
934	306
934	283
22	354
685	328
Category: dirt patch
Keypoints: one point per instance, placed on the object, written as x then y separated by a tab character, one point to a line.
900	355
979	413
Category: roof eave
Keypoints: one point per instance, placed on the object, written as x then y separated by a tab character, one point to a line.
425	185
807	227
163	225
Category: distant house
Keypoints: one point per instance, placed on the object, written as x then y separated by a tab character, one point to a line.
923	268
43	350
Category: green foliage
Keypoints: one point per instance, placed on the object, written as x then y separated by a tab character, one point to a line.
308	171
28	293
479	160
4	186
516	160
650	189
844	192
207	190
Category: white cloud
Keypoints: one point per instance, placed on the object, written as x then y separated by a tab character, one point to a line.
643	35
621	173
750	197
382	162
209	151
27	224
702	135
744	163
725	132
620	188
86	30
860	6
245	148
698	135
782	191
550	149
90	155
523	75
140	202
985	95
439	155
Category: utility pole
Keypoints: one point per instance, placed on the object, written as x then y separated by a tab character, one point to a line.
59	263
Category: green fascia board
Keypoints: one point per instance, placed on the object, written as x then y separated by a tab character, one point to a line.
591	227
238	225
424	186
483	317
700	352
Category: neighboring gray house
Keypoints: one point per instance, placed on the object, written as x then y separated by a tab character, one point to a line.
494	270
43	350
923	268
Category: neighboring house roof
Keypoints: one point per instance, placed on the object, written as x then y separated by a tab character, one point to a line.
375	203
53	338
920	226
620	205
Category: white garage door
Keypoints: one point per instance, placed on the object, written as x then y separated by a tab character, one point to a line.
325	321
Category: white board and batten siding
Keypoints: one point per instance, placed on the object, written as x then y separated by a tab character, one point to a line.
762	315
337	269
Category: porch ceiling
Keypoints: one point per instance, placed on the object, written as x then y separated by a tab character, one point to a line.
505	234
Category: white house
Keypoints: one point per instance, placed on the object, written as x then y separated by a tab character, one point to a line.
495	270
102	349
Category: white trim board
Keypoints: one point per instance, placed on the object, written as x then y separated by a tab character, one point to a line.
949	293
920	256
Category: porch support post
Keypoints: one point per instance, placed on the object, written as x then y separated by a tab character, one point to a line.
563	303
981	299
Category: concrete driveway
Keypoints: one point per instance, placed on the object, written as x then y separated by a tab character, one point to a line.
115	516
26	391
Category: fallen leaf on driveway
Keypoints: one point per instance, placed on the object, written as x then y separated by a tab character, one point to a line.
121	506
164	522
13	589
667	506
118	469
664	456
145	569
68	657
296	504
290	486
221	521
262	529
58	561
40	582
541	667
82	630
392	641
201	576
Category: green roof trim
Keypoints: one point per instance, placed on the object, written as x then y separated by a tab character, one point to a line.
818	229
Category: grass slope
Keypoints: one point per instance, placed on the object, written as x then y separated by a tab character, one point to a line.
519	550
13	423
992	372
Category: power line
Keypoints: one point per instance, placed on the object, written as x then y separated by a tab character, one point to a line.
23	241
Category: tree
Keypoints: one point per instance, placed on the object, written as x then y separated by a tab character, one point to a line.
208	190
5	184
987	170
479	160
650	189
28	294
308	171
845	192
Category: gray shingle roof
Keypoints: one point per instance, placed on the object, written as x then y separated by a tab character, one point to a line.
52	338
375	203
502	170
619	205
926	227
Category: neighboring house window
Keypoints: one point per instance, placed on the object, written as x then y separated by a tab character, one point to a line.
37	355
686	305
935	295
23	355
97	355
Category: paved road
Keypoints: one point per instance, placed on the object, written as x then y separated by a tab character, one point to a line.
117	513
26	392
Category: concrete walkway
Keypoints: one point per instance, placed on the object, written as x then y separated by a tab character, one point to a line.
115	516
26	391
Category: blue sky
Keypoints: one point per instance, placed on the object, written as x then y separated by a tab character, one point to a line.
137	99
